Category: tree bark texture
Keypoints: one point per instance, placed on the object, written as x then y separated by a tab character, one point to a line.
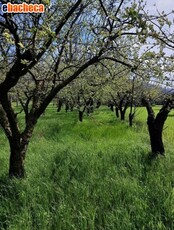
16	163
156	124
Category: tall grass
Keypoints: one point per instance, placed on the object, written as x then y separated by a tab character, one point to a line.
92	175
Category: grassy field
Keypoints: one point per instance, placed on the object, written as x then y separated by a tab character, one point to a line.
92	175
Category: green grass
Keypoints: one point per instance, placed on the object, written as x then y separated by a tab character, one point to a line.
92	175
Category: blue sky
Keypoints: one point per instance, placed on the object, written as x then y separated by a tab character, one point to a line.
161	5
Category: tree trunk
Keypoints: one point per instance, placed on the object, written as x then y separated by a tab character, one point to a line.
123	105
80	115
155	133
112	107
122	113
131	114
59	106
156	124
17	157
71	107
117	112
67	107
131	117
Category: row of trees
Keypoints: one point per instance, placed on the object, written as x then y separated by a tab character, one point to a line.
44	53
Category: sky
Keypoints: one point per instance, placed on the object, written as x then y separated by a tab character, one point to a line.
161	5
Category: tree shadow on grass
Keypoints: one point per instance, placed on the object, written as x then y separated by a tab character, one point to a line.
152	157
149	161
170	115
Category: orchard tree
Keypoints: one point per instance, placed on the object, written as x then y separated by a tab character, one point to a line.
85	93
53	49
160	62
156	123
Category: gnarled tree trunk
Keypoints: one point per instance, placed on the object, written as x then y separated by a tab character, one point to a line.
17	157
156	124
122	113
18	141
123	105
155	133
